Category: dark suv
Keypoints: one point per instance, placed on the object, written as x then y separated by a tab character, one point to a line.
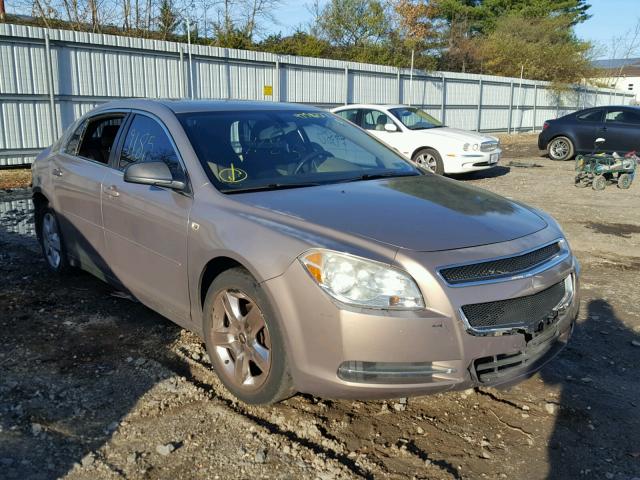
575	133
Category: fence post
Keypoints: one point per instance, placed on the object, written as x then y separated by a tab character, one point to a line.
595	98
346	85
443	106
510	108
535	106
181	73
276	74
52	100
479	106
399	86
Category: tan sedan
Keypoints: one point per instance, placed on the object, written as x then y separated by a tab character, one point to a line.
308	255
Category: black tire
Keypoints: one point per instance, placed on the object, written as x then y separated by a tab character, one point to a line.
54	252
599	182
277	383
560	149
624	181
430	159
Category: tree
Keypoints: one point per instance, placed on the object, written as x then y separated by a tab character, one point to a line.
168	19
546	47
350	23
482	16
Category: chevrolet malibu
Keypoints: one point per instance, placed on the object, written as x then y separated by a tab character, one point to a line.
309	256
418	136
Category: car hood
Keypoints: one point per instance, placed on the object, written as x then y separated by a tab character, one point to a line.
422	213
457	134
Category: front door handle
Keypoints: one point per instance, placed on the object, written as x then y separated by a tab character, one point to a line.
112	191
57	172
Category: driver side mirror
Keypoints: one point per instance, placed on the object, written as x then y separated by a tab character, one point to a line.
152	173
391	127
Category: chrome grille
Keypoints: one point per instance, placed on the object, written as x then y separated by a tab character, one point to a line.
526	312
500	268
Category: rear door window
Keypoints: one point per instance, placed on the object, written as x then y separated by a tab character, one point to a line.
147	141
98	138
351	115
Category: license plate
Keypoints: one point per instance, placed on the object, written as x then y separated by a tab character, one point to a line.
494	158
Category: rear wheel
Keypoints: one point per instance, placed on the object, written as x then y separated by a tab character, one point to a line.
244	340
51	242
599	182
429	159
624	181
561	148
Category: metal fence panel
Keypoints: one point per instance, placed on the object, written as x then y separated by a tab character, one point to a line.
87	69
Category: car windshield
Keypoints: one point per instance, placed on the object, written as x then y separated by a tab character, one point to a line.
267	150
415	118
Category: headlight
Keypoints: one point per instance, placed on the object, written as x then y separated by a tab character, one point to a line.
475	147
361	282
466	147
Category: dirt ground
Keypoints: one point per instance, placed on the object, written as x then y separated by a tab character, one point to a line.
96	386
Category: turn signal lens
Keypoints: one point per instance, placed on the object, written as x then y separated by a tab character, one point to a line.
358	281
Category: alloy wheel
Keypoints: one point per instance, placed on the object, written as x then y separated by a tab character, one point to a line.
241	340
428	161
51	240
559	149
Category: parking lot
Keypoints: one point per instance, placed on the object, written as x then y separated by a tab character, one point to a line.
94	385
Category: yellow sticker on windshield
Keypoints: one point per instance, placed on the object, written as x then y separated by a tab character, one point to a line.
232	175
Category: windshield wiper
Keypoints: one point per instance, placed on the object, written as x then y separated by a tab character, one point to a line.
376	176
270	186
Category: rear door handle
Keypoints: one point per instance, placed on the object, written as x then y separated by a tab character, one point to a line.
57	172
112	191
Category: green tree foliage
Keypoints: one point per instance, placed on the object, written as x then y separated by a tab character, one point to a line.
168	19
546	47
300	43
351	23
481	16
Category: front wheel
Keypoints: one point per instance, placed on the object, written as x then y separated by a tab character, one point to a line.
53	248
244	341
429	159
561	148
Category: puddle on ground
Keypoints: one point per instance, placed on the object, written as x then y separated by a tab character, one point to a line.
16	216
624	230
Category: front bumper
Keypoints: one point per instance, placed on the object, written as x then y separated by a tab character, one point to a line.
324	340
471	161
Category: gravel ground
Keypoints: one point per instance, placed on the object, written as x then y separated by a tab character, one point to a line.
97	386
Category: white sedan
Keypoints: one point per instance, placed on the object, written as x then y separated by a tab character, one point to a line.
423	139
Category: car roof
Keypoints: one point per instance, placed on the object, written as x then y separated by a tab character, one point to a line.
372	105
189	106
600	107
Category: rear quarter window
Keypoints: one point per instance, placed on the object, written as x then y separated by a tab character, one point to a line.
593	116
